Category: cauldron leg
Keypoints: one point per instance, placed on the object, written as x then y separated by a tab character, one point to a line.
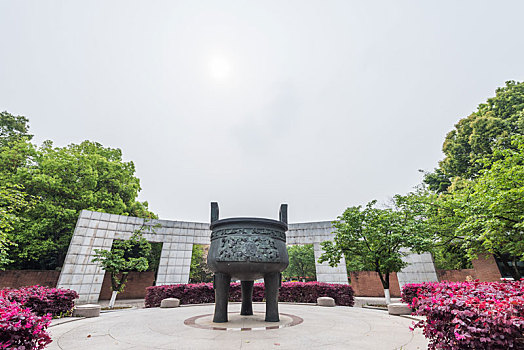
247	297
221	283
271	284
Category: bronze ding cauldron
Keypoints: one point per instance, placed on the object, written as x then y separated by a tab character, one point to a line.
247	249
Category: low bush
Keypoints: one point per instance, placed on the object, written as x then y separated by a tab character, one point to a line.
42	300
22	329
413	290
472	315
308	292
298	292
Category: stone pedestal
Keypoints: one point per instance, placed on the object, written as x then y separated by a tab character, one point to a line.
87	310
170	303
325	301
399	309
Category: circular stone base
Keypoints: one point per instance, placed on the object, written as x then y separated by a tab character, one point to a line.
239	322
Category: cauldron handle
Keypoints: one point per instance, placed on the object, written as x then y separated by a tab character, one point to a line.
214	211
282	215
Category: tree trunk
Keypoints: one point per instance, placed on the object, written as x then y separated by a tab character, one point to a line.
113	299
387	296
515	271
385	284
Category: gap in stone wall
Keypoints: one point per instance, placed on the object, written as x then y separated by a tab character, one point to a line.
198	271
302	265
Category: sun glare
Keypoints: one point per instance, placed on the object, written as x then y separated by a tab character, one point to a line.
219	68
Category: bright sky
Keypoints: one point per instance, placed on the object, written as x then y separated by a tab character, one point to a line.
318	104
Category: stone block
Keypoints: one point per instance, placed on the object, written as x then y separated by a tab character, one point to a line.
399	309
85	214
79	269
74	249
325	301
87	310
96	215
93	298
102	225
66	279
83	222
170	303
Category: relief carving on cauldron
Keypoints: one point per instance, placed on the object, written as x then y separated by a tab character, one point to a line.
249	248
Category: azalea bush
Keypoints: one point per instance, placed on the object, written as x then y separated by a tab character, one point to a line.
470	315
22	329
42	300
413	290
298	292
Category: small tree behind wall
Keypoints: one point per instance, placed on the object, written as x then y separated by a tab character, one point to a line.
377	239
301	263
199	272
125	256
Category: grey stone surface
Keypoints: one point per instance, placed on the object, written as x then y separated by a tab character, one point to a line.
331	328
87	310
170	303
420	269
399	309
325	301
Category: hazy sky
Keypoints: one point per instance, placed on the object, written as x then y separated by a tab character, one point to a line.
319	104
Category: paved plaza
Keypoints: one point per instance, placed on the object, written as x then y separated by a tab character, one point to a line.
189	327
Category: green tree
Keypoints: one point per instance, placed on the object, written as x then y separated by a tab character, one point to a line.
442	220
488	211
15	151
475	137
199	272
12	201
66	180
13	128
377	239
125	256
301	263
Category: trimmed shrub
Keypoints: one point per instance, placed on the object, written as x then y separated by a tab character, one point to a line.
22	329
308	292
42	300
298	292
413	290
472	315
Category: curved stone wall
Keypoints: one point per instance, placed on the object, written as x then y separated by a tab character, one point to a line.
96	230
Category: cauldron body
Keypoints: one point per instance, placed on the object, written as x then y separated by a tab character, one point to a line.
247	249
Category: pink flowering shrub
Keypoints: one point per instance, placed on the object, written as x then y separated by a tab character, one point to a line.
21	329
298	292
42	300
413	290
472	315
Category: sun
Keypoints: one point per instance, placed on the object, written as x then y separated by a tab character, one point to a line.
219	68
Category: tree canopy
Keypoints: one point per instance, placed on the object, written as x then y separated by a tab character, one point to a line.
377	239
486	214
475	137
61	181
478	188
